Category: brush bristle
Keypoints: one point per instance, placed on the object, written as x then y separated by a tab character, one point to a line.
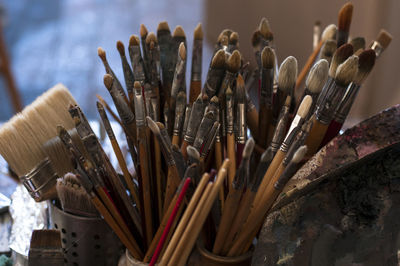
287	74
143	31
304	107
228	92
248	148
101	53
137	85
160	125
181	98
46	239
358	43
163	26
223	40
341	54
267	155
265	29
234	38
192	152
317	76
329	33
153	126
134	40
121	48
227	32
268	58
384	38
108	81
218	60
299	154
234	61
328	50
198	32
366	62
256	39
214	100
346	72
345	16
178	32
151	37
182	51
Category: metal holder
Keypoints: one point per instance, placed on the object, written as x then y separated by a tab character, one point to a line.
85	241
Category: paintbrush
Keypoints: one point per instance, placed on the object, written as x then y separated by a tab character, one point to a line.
344	21
45	248
222	41
215	74
233	198
73	197
281	127
333	95
315	81
252	117
316	34
136	60
266	95
143	32
381	43
126	69
203	131
179	82
230	137
179	117
102	54
358	43
244	239
240	123
328	51
233	42
329	33
165	43
197	53
153	99
247	199
366	61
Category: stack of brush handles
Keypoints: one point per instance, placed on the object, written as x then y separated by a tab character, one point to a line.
198	178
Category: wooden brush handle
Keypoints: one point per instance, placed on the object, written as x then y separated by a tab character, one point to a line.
265	119
175	140
252	122
117	230
231	204
332	131
218	163
172	185
159	177
315	137
185	218
240	218
195	89
184	146
232	157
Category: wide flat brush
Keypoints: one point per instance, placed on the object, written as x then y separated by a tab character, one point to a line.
381	43
45	248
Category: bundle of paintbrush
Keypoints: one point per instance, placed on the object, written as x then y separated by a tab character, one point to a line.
159	210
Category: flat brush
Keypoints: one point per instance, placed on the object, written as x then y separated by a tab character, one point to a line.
215	74
328	50
126	69
249	231
366	61
102	54
266	95
247	199
74	198
233	198
329	33
344	21
381	43
45	248
179	117
326	109
118	153
197	53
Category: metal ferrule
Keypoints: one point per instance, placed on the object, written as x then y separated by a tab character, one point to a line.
197	60
322	94
137	63
289	171
280	130
203	131
179	83
346	103
188	110
326	110
148	93
229	114
123	109
377	47
218	135
40	179
212	136
139	108
178	122
213	81
193	124
81	123
297	142
290	137
91	145
106	123
241	123
267	81
154	65
166	147
249	103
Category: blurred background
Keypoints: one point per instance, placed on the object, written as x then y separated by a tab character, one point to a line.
52	41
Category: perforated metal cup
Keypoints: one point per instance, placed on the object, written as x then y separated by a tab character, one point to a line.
86	241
